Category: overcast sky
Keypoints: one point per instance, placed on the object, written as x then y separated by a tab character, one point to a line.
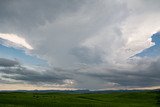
79	44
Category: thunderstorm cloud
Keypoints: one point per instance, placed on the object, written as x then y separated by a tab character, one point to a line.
85	44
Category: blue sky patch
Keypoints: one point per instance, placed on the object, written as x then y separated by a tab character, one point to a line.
20	55
152	51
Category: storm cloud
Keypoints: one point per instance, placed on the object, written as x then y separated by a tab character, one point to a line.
87	42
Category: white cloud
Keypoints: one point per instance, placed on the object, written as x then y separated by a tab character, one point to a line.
16	39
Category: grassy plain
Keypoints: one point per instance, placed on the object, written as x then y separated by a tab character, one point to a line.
115	99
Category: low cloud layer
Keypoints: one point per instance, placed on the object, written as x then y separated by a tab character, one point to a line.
8	63
11	74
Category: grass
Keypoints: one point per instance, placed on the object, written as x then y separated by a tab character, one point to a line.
117	99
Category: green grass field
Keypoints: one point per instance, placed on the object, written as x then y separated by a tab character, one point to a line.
116	99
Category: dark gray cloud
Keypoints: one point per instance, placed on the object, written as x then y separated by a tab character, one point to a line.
146	73
8	63
34	77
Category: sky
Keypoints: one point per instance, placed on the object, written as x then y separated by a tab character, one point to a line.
152	51
79	44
